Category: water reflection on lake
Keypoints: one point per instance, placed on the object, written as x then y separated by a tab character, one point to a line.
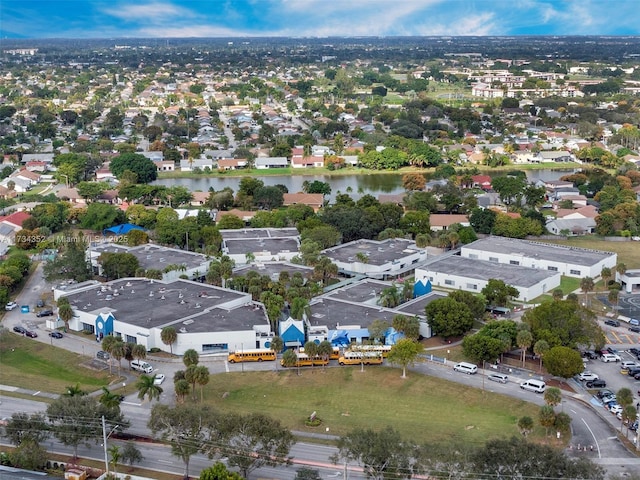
354	185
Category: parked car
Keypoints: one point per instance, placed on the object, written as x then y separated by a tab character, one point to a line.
102	355
634	351
590	354
604	393
596	383
158	379
609	357
634	322
628	364
613	351
611	322
44	313
55	334
40	304
19	329
10	306
615	408
634	329
633	371
498	377
585	376
31	334
608	400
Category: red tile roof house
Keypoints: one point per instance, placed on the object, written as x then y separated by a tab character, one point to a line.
314	200
9	225
232	163
15	219
444	221
307	162
199	198
482	181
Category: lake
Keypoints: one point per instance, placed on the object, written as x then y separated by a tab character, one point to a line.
355	185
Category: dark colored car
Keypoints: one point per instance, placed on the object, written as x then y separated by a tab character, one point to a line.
590	354
55	335
596	384
634	329
634	351
31	334
40	304
19	329
44	313
613	351
102	355
612	323
603	393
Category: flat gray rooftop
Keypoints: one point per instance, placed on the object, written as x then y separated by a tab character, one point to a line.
366	291
378	253
272	245
417	305
246	233
484	270
543	251
155	256
156	304
335	313
273	269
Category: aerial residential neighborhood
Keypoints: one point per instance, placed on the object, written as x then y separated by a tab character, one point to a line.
236	247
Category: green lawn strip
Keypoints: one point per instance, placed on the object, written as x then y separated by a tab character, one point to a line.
569	284
424	409
36	366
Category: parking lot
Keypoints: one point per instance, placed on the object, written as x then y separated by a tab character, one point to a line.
628	304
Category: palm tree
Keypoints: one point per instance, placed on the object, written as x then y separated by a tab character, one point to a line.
454	238
114	452
390	297
606	275
614	295
277	344
552	396
324	350
118	350
202	378
586	285
311	350
182	389
107	345
540	348
147	388
190	357
74	391
523	340
65	312
139	352
299	307
169	336
191	376
621	269
109	399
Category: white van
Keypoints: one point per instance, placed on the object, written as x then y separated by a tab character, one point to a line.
537	386
464	367
141	366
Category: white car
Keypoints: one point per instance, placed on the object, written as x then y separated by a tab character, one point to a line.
10	306
615	409
609	357
587	377
628	364
158	379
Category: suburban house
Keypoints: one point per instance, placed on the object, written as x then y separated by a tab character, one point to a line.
263	163
314	200
571	226
232	163
9	225
165	165
199	198
71	195
307	162
190	164
440	222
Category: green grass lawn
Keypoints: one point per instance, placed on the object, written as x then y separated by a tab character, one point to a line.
30	364
422	408
569	284
628	252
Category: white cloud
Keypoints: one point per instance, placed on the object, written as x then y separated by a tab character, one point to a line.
155	11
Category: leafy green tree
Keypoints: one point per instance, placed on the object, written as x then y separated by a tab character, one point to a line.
65	312
130	454
562	423
552	396
144	168
218	471
264	436
76	420
383	454
26	428
482	348
525	425
91	190
289	358
277	344
29	455
118	265
482	220
408	326
404	353
169	336
109	399
147	388
102	215
499	293
547	417
377	330
476	303
563	362
307	473
449	318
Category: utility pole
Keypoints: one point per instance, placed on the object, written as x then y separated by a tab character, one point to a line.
104	443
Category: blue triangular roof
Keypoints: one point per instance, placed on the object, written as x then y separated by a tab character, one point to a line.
121	229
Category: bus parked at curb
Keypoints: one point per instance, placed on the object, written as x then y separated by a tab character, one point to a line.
305	361
256	355
361	358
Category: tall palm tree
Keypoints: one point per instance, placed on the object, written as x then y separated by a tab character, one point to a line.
311	350
114	452
147	388
74	391
202	378
614	295
191	376
139	352
182	389
524	339
586	285
324	350
108	343
169	335
190	357
277	344
299	307
65	312
540	348
606	275
118	351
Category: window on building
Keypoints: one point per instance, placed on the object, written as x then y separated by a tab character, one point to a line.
215	347
552	269
131	339
449	282
88	328
574	272
514	262
493	259
473	256
472	286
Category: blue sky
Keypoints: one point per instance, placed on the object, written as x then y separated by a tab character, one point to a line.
298	18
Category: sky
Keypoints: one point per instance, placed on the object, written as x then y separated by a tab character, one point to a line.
314	18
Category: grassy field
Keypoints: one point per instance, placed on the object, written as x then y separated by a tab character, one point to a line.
628	252
36	366
422	408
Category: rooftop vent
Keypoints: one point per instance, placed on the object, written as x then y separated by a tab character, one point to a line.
162	297
188	322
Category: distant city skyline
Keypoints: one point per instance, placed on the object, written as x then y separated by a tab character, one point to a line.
314	18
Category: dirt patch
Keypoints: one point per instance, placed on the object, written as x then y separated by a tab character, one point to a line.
552	382
439	341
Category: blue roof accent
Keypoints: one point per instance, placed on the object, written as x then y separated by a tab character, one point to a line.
420	288
292	334
121	229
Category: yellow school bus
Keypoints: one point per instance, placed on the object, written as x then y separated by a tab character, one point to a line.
305	361
335	354
257	355
383	350
360	358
